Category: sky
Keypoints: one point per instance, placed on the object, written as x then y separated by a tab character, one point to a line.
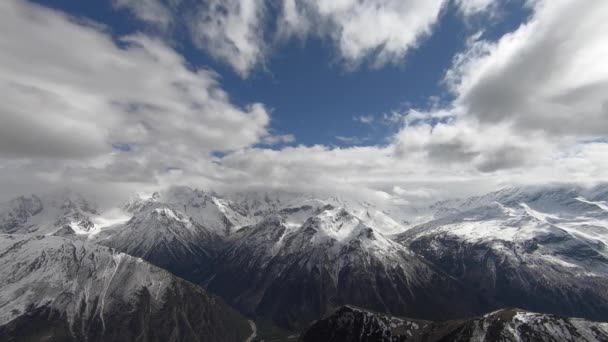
407	101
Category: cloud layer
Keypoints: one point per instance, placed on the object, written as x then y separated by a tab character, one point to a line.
85	109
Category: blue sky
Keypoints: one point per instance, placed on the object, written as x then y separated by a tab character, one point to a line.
407	101
309	93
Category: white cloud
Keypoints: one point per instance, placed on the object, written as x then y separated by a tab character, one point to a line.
545	76
525	109
278	139
472	7
364	119
380	30
231	31
152	11
70	92
241	34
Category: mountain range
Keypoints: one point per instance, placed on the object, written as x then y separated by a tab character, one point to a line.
292	259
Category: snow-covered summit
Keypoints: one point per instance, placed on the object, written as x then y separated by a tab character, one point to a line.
61	212
205	208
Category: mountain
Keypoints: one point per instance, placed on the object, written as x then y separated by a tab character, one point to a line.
59	213
207	209
54	289
351	324
294	273
291	258
260	204
166	238
542	249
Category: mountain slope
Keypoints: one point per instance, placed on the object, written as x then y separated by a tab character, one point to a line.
166	238
294	273
57	289
351	324
511	252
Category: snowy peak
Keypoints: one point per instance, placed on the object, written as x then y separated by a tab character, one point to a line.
165	237
205	208
297	207
61	213
565	200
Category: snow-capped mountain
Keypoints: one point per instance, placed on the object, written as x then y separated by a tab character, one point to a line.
260	204
540	250
57	213
207	209
166	238
60	213
292	258
294	273
510	325
563	200
54	289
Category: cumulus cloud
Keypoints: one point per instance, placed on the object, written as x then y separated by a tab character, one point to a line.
544	76
528	107
72	93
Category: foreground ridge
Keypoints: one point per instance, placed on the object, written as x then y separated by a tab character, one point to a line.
55	289
352	324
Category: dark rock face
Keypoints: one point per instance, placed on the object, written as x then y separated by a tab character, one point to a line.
519	279
165	238
292	276
60	290
350	324
516	260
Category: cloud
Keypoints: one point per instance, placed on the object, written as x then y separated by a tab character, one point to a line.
364	119
82	109
278	139
544	76
72	93
351	140
381	31
243	33
473	7
232	31
152	11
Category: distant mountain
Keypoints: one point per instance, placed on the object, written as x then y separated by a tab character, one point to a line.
53	289
351	324
260	204
207	209
542	249
59	213
294	273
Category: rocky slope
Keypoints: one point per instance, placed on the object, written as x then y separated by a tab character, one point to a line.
166	238
351	324
294	273
53	289
540	250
